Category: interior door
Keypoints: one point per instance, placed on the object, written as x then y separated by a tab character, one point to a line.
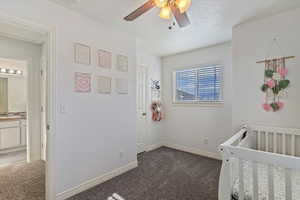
141	108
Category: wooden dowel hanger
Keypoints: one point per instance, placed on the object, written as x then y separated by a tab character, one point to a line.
263	61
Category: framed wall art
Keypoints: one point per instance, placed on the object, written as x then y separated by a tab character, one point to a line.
104	59
82	54
122	63
82	82
122	86
104	84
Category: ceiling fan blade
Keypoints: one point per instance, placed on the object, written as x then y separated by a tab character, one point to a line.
141	10
181	18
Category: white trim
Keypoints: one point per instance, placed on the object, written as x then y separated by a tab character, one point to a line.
95	181
193	150
10	150
153	147
51	40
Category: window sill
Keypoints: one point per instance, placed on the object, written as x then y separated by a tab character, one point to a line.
200	103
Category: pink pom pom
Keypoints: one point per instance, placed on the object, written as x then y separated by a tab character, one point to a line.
280	105
282	71
266	107
271	83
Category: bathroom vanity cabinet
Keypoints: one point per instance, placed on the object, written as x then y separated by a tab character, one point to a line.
12	134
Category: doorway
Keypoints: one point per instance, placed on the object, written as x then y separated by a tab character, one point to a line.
40	100
13	111
141	103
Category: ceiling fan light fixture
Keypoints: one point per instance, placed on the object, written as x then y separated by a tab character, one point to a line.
183	5
161	3
165	12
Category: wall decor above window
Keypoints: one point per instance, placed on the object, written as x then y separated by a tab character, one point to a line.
104	59
122	63
82	82
82	54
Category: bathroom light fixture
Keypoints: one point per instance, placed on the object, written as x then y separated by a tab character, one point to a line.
10	71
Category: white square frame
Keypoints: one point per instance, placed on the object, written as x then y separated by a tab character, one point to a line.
122	63
104	84
82	54
121	85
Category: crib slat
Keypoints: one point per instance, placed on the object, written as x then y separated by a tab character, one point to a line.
271	181
293	150
288	184
258	140
255	181
241	179
275	142
283	143
267	141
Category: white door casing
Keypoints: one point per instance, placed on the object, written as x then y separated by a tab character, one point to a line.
44	108
141	85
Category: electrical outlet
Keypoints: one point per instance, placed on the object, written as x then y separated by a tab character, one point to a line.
121	154
205	141
62	109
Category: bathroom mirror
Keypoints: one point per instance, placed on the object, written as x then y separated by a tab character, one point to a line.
13	95
3	95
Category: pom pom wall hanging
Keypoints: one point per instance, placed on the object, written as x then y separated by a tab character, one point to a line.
275	82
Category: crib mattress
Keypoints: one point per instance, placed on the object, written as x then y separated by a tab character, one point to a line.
279	183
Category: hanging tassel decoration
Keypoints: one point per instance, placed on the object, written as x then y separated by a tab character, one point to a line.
275	82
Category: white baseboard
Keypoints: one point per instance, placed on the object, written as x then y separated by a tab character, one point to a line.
153	147
4	151
194	151
95	181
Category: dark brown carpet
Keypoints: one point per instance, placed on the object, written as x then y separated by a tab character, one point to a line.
23	181
163	174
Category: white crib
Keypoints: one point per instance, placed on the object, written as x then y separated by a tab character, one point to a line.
261	163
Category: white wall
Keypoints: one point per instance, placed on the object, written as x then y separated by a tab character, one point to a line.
251	42
153	63
186	126
31	54
95	128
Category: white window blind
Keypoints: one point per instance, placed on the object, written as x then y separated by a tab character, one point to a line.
203	84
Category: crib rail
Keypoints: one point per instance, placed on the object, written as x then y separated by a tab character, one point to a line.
281	160
271	138
268	139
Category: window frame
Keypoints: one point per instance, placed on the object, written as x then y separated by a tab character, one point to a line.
198	102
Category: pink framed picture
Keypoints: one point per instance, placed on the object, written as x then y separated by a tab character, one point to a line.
104	59
82	82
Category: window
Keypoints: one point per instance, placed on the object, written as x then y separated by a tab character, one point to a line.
202	84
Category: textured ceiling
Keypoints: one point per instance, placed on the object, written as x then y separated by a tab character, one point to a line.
212	20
